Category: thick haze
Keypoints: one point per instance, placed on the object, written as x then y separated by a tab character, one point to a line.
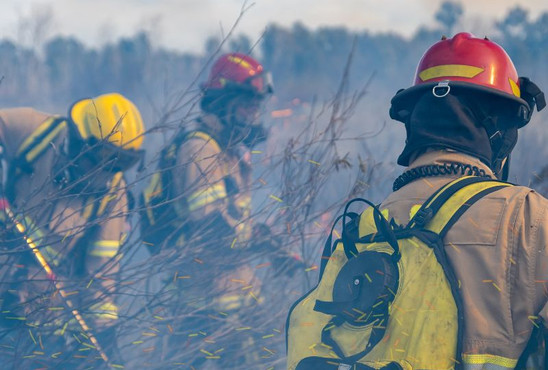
331	138
184	25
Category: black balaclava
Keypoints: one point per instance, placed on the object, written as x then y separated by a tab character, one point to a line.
234	132
454	122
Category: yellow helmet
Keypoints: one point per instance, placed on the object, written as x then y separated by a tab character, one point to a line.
109	117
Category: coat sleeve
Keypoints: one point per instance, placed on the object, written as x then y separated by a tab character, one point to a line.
103	254
541	249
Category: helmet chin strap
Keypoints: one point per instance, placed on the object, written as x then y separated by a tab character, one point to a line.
502	142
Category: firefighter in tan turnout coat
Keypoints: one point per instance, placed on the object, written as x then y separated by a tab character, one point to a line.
461	116
64	209
197	212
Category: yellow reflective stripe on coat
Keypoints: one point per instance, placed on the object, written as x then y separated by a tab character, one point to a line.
243	202
229	302
37	147
206	196
116	179
205	137
105	311
105	248
486	361
153	189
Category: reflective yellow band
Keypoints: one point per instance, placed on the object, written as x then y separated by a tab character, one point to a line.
45	142
30	242
107	310
244	202
206	196
230	302
153	189
450	70
52	256
88	209
503	362
112	194
105	248
205	137
239	61
49	253
39	146
515	88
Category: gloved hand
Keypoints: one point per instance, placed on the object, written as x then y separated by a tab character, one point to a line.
288	264
261	240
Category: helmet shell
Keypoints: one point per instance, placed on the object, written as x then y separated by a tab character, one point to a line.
463	62
238	72
469	59
110	117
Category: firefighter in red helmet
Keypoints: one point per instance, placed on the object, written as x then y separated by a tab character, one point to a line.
197	209
462	116
453	219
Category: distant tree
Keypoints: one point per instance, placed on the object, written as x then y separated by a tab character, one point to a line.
241	44
35	28
123	66
67	63
515	24
212	45
448	15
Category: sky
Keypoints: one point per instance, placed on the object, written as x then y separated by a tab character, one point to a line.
184	25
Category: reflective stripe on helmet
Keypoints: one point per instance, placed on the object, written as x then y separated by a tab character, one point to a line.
450	70
464	58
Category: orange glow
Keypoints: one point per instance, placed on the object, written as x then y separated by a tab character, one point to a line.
281	113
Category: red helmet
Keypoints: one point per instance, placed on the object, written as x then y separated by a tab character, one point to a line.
236	72
465	62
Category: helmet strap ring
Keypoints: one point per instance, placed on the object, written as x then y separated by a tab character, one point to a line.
442	89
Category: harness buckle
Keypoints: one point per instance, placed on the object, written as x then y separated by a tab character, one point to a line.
423	216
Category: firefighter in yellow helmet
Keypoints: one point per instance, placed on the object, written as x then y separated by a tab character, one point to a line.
451	221
63	221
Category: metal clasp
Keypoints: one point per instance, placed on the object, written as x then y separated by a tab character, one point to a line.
441	85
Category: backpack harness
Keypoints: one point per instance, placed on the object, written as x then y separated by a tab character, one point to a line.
158	215
373	274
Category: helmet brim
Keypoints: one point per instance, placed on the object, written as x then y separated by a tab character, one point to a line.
403	102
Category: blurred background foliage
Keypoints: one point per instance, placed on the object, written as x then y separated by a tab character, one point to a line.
331	136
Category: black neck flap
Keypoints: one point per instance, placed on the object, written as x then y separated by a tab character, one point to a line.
453	122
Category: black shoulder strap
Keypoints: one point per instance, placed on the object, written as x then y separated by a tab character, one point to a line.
436	201
437	215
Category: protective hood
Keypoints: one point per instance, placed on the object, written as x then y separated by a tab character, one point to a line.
453	122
